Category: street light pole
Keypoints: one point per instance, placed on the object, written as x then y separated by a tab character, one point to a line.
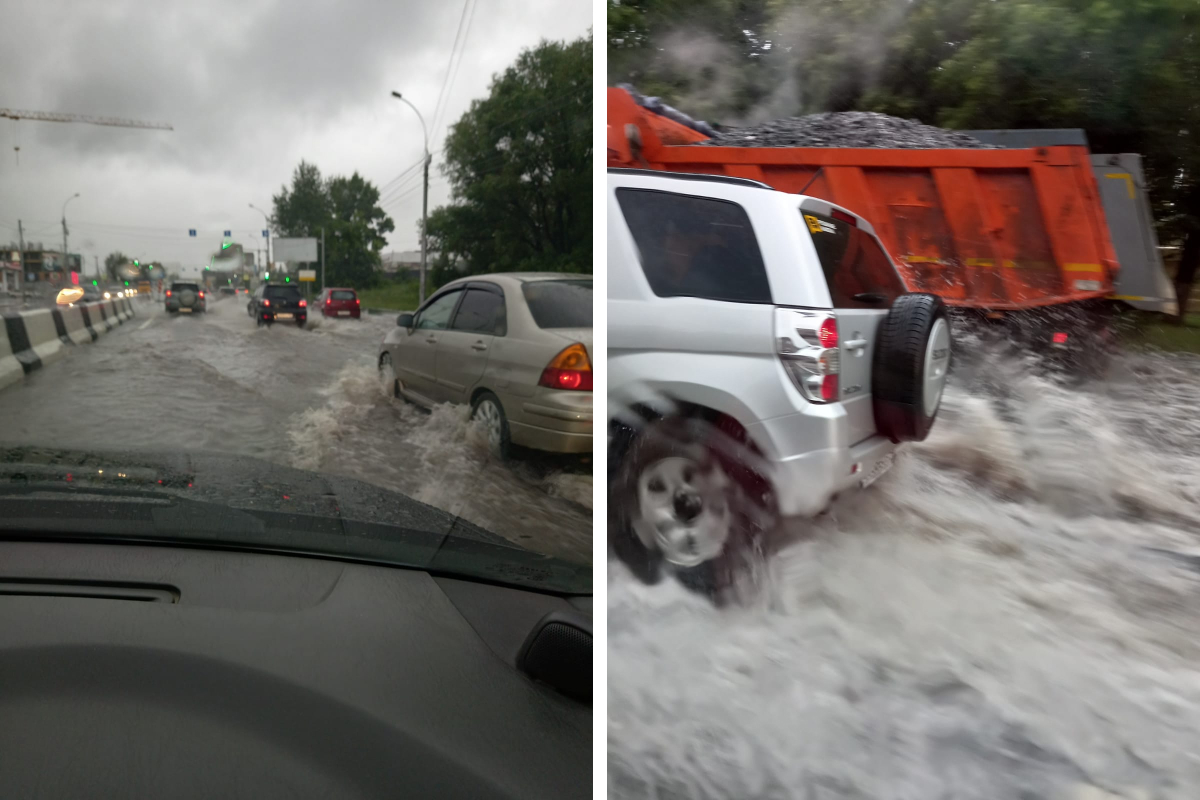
268	219
424	197
66	266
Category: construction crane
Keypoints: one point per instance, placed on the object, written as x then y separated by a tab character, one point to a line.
56	116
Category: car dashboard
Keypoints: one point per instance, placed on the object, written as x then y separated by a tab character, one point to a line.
130	670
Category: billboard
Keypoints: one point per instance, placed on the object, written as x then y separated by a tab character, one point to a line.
296	249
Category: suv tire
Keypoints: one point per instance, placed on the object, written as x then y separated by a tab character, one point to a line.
912	357
660	452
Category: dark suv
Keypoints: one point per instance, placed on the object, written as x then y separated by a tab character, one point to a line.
278	301
185	298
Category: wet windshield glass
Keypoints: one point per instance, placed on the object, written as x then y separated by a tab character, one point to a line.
220	190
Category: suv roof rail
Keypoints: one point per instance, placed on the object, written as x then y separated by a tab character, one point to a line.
692	176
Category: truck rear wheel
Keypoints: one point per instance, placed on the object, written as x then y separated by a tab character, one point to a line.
912	359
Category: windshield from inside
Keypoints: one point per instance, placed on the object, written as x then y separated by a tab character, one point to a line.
259	208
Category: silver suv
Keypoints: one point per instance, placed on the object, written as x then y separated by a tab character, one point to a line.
763	357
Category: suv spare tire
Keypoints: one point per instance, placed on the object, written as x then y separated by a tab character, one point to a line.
912	357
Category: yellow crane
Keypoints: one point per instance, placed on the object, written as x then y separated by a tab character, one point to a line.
57	116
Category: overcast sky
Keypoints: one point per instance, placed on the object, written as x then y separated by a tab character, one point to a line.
250	87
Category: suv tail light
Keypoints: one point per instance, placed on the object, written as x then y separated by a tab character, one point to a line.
806	342
202	294
168	292
570	369
266	302
304	304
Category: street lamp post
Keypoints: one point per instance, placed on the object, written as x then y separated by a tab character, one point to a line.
66	266
268	219
424	197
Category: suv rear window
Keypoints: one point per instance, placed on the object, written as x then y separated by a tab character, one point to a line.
853	262
559	304
282	292
695	246
180	287
343	295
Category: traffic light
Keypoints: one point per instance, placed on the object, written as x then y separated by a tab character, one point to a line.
266	276
287	279
206	269
95	282
126	283
135	263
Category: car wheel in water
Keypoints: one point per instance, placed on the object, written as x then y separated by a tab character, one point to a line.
385	369
688	500
488	410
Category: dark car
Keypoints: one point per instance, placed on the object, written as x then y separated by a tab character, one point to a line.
339	303
273	302
227	291
186	298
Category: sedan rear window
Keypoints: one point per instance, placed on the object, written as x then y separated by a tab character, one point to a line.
343	295
559	304
282	292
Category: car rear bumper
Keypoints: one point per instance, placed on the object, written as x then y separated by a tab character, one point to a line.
807	471
354	313
556	421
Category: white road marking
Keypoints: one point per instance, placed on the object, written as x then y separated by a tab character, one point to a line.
147	324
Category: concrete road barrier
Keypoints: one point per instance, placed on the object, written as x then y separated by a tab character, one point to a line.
11	369
93	329
43	335
77	330
100	318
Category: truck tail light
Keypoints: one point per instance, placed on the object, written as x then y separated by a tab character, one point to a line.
807	344
570	369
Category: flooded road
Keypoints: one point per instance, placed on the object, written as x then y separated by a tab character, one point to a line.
307	398
1012	613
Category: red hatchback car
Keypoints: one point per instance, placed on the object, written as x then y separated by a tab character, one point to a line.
339	303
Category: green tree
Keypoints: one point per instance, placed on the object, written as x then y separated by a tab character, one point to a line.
356	235
347	209
114	260
520	169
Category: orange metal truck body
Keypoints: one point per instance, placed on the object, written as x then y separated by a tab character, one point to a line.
989	229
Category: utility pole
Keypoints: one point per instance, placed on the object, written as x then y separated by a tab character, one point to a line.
66	260
424	195
424	220
96	259
322	258
21	261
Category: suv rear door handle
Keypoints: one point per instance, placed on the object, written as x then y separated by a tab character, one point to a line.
856	344
430	340
479	346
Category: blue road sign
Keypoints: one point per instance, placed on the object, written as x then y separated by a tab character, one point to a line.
191	231
229	233
266	234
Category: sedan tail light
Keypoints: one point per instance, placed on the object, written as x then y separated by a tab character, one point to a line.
570	369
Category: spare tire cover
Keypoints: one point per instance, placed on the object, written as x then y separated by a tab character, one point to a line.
912	357
187	297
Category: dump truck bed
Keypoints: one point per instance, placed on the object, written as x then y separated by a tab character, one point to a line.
993	229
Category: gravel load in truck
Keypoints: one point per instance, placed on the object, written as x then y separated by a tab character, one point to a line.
845	129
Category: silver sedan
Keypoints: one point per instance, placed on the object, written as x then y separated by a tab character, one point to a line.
516	347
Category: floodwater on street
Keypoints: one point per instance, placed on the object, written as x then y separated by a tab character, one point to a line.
1011	613
307	398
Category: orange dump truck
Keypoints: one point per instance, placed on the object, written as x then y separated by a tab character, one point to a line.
998	230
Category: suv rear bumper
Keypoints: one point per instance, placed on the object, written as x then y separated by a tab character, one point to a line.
807	482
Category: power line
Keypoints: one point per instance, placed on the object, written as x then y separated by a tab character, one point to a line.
437	109
438	115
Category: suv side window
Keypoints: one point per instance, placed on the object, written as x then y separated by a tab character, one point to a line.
853	262
695	246
436	315
482	311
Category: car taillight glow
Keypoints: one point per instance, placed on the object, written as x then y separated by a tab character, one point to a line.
202	294
304	304
844	217
570	369
827	335
1060	338
168	292
328	301
356	301
266	302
